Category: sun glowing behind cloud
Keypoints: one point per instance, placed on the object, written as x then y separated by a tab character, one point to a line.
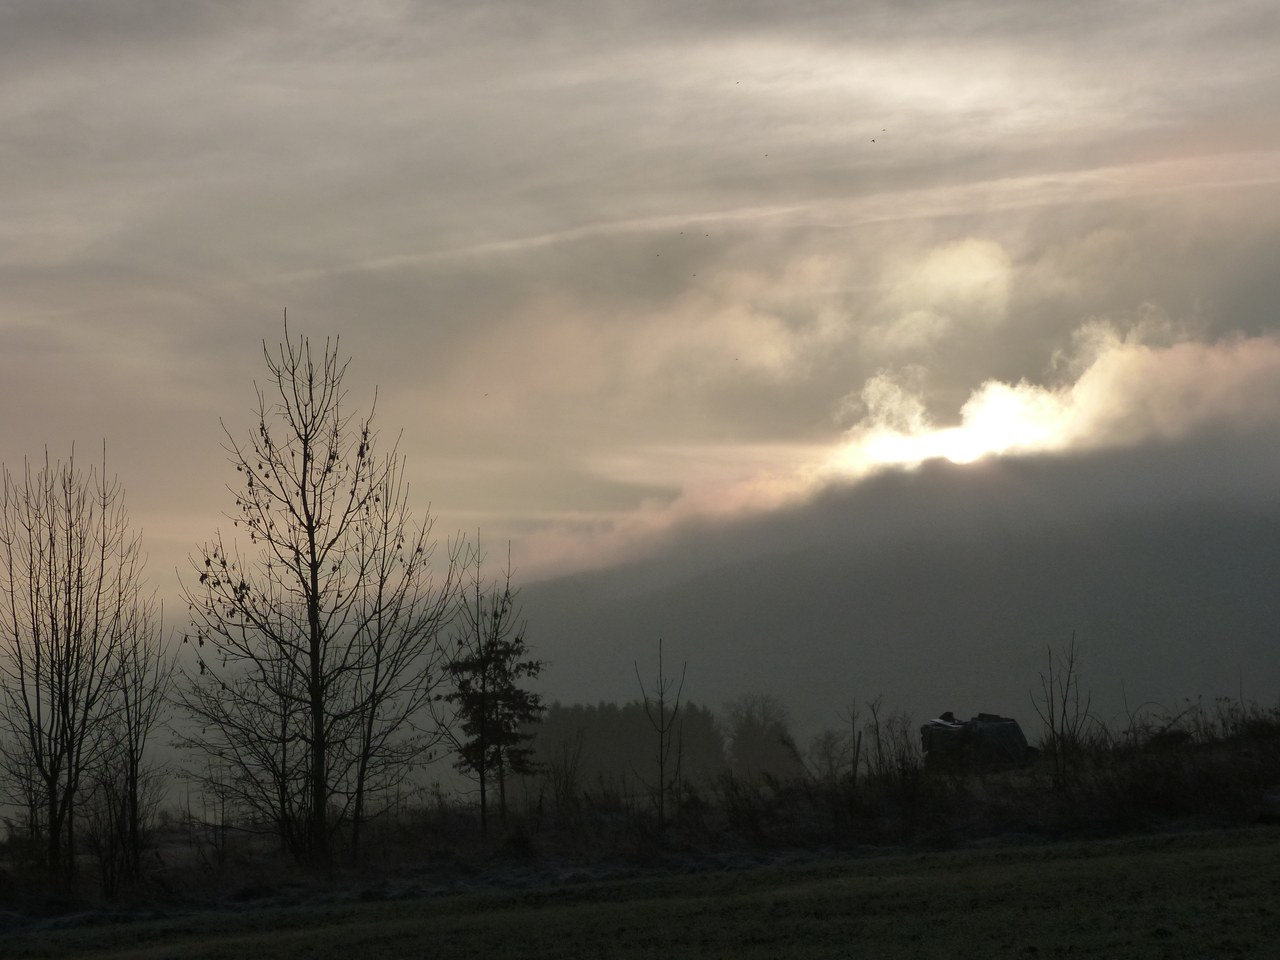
998	418
1127	391
1121	387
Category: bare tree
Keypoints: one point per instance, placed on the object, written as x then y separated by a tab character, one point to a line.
73	616
1065	714
402	661
317	652
251	739
894	753
146	672
127	787
829	756
852	718
662	708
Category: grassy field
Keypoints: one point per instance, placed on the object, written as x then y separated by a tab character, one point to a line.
1209	894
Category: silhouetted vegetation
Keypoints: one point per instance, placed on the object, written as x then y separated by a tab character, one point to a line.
760	743
488	667
610	746
319	652
662	710
83	674
333	656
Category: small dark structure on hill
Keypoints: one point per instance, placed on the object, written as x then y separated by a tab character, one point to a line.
986	742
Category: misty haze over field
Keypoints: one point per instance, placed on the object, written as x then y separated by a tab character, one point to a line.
851	351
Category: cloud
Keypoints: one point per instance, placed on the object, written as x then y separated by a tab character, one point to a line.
955	287
495	205
1127	392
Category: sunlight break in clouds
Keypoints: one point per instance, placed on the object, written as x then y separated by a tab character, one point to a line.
1127	392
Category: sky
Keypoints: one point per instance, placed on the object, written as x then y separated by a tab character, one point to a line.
653	290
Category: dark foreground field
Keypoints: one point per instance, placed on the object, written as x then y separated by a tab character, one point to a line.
1210	894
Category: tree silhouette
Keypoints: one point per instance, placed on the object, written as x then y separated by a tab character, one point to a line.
318	653
662	709
127	787
489	663
760	740
75	623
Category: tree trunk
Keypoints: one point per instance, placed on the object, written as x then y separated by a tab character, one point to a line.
319	832
319	828
502	791
484	804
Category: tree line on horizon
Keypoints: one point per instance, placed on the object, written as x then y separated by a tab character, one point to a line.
616	744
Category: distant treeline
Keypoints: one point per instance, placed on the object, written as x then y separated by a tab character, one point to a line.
613	744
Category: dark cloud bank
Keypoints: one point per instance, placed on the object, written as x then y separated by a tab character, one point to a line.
941	589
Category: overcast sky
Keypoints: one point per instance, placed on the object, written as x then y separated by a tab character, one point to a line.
620	269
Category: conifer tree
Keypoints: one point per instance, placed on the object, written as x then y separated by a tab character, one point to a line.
489	664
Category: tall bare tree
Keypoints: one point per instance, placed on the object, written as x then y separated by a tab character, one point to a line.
318	652
73	609
662	708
